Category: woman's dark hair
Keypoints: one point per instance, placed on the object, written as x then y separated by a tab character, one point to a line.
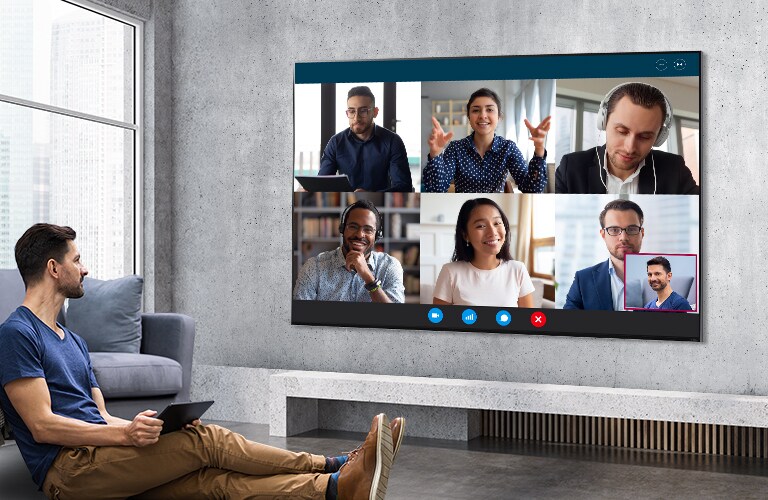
485	92
37	246
464	253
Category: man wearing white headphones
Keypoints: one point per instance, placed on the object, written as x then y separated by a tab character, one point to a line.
353	272
635	117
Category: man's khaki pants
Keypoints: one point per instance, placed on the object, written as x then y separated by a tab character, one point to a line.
207	462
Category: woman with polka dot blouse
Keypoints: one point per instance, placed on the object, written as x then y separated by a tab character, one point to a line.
482	272
479	163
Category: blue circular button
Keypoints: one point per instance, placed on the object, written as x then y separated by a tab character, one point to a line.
435	315
469	317
503	318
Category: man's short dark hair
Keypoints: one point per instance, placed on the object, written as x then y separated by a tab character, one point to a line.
641	94
485	92
465	253
660	261
37	246
365	204
362	90
623	206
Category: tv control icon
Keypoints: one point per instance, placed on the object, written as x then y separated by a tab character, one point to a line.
661	65
435	315
538	319
503	318
679	64
469	317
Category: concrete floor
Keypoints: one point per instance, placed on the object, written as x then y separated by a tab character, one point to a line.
501	469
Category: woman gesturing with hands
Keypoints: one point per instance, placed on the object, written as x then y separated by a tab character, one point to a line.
480	162
438	139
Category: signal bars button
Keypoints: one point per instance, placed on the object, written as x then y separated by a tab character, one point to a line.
469	317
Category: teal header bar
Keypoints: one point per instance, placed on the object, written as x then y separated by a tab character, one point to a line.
624	65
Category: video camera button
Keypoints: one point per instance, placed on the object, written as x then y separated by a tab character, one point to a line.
435	315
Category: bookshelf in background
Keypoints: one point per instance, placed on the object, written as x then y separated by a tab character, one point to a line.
316	220
452	115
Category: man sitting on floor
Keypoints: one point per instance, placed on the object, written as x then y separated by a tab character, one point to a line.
76	449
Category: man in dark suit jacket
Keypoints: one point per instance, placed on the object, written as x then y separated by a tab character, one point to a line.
591	289
636	117
601	287
663	173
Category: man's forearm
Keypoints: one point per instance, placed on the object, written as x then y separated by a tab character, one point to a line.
71	432
112	420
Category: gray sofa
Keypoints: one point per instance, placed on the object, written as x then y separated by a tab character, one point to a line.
131	382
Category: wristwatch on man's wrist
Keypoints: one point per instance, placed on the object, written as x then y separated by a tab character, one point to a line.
373	285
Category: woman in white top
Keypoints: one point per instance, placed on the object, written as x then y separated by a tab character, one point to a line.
482	272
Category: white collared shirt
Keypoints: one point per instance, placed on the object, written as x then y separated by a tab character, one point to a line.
617	288
614	185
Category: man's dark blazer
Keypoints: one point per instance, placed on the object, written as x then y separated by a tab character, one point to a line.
580	173
591	289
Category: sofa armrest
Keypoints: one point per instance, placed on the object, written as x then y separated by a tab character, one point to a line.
173	336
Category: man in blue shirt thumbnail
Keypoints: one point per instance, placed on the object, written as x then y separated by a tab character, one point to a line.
373	157
660	279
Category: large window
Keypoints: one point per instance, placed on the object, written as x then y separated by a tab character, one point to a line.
70	140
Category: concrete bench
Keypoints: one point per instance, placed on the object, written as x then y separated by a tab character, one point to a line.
298	399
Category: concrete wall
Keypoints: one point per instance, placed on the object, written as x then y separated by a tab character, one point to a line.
230	183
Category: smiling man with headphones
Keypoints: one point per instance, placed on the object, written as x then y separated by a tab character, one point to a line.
353	272
635	117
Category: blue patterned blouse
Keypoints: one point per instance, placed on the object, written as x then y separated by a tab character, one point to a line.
461	163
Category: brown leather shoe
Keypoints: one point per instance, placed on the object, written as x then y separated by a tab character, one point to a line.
398	431
365	474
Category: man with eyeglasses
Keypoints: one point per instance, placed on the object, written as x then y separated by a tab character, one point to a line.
353	272
373	157
601	287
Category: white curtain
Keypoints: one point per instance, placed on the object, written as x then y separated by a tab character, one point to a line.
534	100
524	229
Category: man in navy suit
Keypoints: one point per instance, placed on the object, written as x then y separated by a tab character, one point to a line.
601	287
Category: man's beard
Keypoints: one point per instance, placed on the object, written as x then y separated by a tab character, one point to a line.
659	286
366	252
73	292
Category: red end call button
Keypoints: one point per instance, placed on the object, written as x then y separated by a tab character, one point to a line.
538	319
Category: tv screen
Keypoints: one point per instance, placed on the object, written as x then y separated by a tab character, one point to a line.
538	195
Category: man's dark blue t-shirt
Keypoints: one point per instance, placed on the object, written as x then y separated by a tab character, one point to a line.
378	164
675	302
29	348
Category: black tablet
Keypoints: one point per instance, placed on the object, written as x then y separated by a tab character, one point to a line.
177	415
325	183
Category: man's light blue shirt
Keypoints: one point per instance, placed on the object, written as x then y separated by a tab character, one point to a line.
325	277
617	288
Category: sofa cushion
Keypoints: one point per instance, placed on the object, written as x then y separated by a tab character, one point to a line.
11	292
108	316
128	375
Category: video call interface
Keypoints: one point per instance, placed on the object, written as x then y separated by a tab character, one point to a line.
535	195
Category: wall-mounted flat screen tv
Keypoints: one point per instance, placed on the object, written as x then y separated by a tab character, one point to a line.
536	195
